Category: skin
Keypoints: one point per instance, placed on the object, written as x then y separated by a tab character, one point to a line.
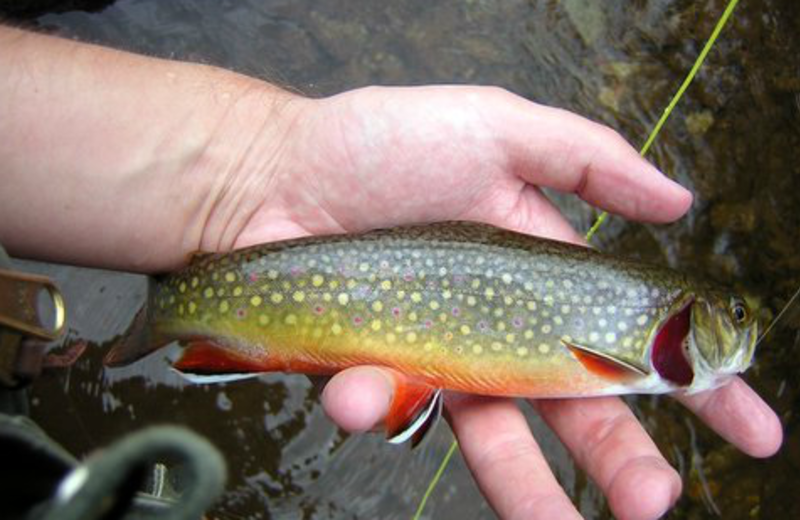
128	162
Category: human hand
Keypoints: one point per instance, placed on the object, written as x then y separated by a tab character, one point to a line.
380	157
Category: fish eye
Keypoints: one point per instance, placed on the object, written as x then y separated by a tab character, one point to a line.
739	311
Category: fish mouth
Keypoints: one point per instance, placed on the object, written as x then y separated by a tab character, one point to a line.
673	348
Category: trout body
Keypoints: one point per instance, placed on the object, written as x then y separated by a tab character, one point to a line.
458	306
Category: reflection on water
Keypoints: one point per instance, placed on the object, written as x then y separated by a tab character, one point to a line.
733	141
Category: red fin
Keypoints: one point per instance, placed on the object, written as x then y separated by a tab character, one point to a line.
411	400
207	357
604	366
669	358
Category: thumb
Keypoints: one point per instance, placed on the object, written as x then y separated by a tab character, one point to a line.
358	399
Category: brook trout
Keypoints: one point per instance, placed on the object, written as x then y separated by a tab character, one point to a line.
456	306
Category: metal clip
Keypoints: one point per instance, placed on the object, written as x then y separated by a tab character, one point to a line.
19	304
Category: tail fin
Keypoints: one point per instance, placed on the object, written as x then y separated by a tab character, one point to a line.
138	341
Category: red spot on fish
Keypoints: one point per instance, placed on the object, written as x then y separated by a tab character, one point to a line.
319	309
669	358
483	326
358	320
296	271
241	313
396	312
456	311
428	324
253	277
517	322
408	277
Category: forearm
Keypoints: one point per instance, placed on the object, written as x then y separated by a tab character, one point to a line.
118	160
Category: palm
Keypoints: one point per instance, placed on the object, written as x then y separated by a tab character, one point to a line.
384	157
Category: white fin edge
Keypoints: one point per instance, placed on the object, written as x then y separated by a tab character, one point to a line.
431	413
208	379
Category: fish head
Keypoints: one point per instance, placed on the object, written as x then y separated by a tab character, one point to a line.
721	340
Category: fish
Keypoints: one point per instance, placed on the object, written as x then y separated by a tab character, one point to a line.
455	306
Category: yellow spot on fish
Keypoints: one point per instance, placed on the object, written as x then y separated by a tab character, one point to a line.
611	337
276	297
544	348
237	291
230	277
299	296
489	293
182	287
471	301
557	320
507	278
510	338
192	307
333	284
641	320
522	351
508	300
565	309
412	316
549	284
208	292
434	305
428	346
448	335
376	325
501	326
343	298
416	297
497	346
465	329
263	319
180	310
401	295
477	349
220	291
272	274
391	338
447	295
627	342
593	337
336	329
548	300
327	297
351	284
363	267
622	326
317	280
530	305
475	283
316	333
255	301
386	285
377	306
291	319
411	337
528	334
195	282
224	306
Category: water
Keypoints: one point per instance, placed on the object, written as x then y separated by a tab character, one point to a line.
732	141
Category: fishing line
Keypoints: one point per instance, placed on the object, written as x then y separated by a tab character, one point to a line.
780	314
723	20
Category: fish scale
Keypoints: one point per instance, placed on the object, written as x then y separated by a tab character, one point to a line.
461	306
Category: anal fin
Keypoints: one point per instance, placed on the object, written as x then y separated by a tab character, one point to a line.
604	365
414	410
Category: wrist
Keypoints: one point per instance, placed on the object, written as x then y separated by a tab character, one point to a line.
243	159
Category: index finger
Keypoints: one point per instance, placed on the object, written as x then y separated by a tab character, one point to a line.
558	149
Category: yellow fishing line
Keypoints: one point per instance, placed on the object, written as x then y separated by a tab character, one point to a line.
435	479
667	111
604	215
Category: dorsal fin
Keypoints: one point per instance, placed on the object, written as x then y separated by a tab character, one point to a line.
604	365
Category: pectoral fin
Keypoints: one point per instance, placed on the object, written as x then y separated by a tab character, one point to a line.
604	365
414	410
